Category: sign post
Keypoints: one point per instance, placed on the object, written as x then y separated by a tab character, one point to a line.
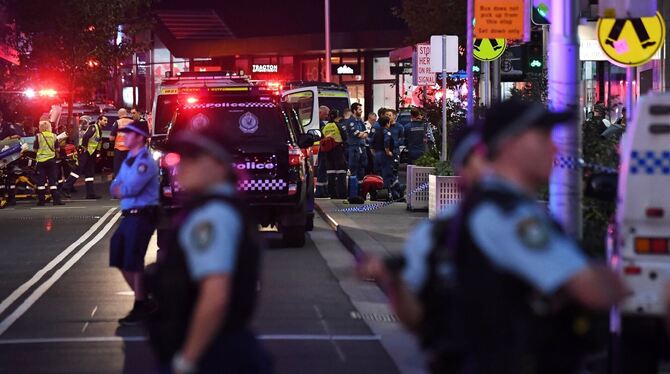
444	57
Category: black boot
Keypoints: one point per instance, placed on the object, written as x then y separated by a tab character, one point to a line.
11	199
55	197
40	197
90	192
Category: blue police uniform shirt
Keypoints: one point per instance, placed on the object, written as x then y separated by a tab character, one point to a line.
417	250
371	136
415	133
389	140
398	132
138	180
211	235
524	241
355	126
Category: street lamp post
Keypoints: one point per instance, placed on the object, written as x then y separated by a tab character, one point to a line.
327	62
565	200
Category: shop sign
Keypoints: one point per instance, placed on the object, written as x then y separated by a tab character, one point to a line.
631	41
401	70
267	68
345	69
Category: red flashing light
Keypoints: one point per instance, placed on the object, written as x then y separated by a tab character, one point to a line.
294	156
171	159
49	92
29	93
655	212
192	100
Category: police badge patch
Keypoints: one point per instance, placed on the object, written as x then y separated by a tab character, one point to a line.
202	235
533	233
142	168
248	123
199	121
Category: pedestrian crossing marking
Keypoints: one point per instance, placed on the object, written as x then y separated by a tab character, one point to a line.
631	41
489	49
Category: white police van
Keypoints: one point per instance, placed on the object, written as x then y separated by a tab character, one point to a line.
643	208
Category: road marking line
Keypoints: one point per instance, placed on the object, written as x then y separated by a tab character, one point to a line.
59	207
44	287
6	303
106	339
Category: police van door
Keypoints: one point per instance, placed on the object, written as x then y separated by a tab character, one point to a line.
305	102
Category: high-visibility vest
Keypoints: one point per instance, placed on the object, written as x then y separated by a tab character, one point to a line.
47	146
119	143
333	131
93	141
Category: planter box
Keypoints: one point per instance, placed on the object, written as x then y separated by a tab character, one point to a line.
416	176
442	192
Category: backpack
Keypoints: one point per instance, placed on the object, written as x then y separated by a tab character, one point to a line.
328	144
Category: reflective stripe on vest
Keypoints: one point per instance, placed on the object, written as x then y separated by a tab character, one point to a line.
120	136
47	146
331	130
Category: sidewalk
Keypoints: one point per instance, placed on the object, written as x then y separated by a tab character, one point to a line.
380	232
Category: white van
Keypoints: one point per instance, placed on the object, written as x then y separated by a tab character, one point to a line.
307	97
643	209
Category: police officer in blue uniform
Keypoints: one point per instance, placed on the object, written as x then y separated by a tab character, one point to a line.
420	282
216	252
418	135
521	282
137	186
383	144
356	137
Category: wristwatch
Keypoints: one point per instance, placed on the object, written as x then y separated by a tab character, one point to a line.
182	365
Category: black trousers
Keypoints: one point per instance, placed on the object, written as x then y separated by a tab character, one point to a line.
119	157
8	187
86	169
336	169
47	171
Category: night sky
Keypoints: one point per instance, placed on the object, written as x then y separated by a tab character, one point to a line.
248	18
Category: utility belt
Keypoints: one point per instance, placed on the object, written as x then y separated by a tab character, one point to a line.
146	211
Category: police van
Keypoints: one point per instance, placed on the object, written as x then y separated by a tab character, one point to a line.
275	177
307	97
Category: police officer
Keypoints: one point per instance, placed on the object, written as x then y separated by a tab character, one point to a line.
384	138
321	174
47	147
116	136
418	136
137	186
356	136
218	239
88	151
419	283
521	281
334	157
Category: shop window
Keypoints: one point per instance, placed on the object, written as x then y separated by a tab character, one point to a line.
357	94
383	95
382	68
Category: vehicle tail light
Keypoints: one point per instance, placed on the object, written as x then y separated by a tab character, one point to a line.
192	100
632	270
294	156
655	246
167	191
170	160
655	212
292	189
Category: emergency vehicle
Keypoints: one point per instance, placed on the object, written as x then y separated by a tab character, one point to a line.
307	97
275	176
639	240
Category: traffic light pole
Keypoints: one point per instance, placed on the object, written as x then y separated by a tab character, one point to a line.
565	184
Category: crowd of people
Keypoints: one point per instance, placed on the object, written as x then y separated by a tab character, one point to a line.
357	148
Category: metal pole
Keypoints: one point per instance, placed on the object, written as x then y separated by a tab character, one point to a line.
630	99
495	81
327	16
443	156
565	183
470	62
485	83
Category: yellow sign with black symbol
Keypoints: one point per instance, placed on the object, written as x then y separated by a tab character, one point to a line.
489	49
631	41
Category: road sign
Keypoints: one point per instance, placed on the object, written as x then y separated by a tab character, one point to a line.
631	41
500	19
540	12
450	54
422	75
627	8
489	49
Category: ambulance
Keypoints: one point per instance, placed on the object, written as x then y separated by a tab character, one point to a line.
307	97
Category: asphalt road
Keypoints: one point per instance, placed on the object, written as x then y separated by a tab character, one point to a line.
61	302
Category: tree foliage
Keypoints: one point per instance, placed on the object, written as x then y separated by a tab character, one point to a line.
433	17
73	43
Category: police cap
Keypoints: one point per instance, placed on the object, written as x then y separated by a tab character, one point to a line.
138	127
513	117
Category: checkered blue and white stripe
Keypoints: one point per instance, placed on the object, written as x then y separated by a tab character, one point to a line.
261	185
650	162
251	104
